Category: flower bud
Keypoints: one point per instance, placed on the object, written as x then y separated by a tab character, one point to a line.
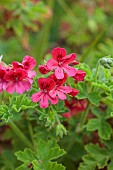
106	62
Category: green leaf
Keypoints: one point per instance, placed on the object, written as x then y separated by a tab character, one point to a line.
21	102
49	166
93	124
45	152
100	155
88	164
5	113
104	128
26	155
55	166
94	98
101	86
50	150
110	166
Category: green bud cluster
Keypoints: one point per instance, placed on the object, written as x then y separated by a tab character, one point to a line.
106	62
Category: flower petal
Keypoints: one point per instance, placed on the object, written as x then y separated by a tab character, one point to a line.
19	87
52	93
59	73
65	89
58	53
37	96
44	101
29	62
10	87
61	95
53	100
52	64
74	92
69	59
69	70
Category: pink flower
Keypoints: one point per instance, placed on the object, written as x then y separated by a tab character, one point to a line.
43	69
16	81
58	89
60	63
28	62
2	81
46	85
79	76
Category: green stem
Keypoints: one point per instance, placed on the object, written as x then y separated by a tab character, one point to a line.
19	133
84	116
31	133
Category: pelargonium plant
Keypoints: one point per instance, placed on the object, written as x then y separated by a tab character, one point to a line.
70	108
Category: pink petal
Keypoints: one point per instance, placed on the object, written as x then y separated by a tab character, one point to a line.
37	96
52	93
26	85
69	70
31	74
52	64
10	87
69	58
19	87
44	101
29	62
61	95
52	100
65	89
59	73
74	92
56	52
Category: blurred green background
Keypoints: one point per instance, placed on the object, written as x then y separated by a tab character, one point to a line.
35	27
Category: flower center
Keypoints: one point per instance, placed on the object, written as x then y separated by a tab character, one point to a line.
45	91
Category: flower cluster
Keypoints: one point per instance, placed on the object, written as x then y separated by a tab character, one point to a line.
17	77
52	88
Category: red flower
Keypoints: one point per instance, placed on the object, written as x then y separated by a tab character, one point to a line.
58	89
28	64
60	63
16	81
46	85
75	106
79	76
43	69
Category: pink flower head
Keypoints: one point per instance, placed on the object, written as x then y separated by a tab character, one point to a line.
79	76
43	69
58	89
2	81
27	65
46	85
16	81
28	62
60	63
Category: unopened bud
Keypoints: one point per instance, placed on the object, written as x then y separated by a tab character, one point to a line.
106	62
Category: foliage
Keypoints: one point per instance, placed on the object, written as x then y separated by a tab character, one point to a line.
81	124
